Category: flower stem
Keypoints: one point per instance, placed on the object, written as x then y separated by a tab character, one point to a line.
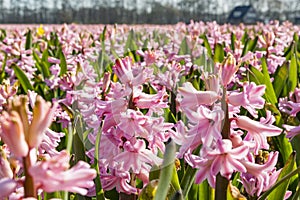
221	182
124	196
173	103
226	123
29	187
221	188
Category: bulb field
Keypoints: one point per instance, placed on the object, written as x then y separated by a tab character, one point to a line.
196	111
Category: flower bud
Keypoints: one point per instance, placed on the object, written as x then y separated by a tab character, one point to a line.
228	69
123	69
41	120
106	81
5	170
13	133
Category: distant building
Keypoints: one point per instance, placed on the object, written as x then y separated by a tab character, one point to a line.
243	14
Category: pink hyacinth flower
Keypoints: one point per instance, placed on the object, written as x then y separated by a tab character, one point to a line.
291	131
149	56
7	186
260	173
192	98
153	102
13	133
223	159
117	179
203	165
136	156
133	123
205	128
54	175
251	97
226	159
292	106
257	131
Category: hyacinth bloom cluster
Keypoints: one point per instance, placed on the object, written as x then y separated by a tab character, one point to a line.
291	106
133	130
247	136
24	131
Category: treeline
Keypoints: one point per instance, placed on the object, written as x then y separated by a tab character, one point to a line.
123	11
157	14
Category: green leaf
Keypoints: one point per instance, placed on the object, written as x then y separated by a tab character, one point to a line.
184	47
166	171
201	60
189	176
296	194
269	87
37	61
168	115
292	80
245	37
205	191
219	53
288	52
233	39
278	192
42	64
263	78
130	43
252	44
175	180
28	43
63	63
194	192
45	64
25	83
280	78
283	145
2	34
249	45
2	73
187	180
207	46
99	190
102	36
145	44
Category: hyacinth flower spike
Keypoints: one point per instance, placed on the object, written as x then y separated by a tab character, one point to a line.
13	133
42	118
228	69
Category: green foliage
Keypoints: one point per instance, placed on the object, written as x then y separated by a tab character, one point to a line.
25	83
28	43
282	188
130	44
280	78
219	53
166	173
184	47
207	46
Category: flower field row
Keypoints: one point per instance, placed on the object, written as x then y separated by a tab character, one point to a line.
185	111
